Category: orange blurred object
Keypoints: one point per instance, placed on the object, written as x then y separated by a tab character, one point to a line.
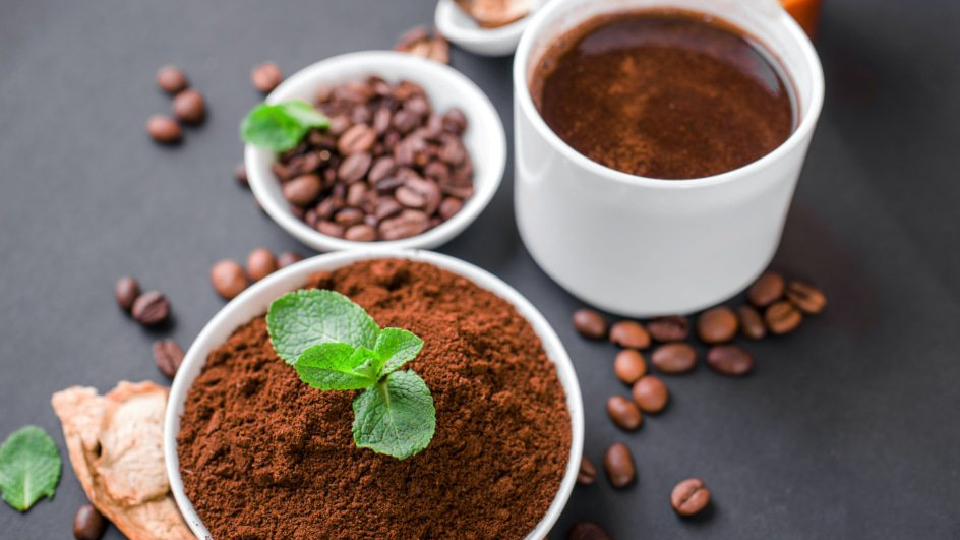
806	12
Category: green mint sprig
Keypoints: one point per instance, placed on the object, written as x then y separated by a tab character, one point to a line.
281	127
335	345
30	467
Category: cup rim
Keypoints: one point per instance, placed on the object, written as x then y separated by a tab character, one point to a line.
524	100
254	300
474	102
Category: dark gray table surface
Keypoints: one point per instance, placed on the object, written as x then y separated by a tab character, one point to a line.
848	429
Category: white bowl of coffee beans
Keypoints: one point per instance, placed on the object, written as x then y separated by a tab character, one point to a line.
413	153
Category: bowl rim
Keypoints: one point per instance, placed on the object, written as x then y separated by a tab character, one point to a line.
296	275
446	22
470	98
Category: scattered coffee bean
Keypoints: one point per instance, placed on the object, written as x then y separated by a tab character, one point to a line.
126	292
266	77
624	413
302	190
588	472
674	358
668	329
164	129
630	335
419	42
287	258
261	262
228	278
171	79
590	324
717	325
188	107
168	356
807	298
150	308
766	290
782	317
690	497
240	174
619	466
88	523
587	530
751	322
730	360
629	366
651	394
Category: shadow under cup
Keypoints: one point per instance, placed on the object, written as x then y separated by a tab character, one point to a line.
641	246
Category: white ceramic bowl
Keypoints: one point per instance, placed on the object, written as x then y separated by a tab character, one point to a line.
461	30
255	301
446	88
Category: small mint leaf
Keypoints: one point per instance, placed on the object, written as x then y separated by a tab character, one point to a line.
396	416
280	127
302	319
396	347
305	114
337	366
29	467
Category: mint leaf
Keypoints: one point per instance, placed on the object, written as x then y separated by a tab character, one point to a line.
396	347
280	127
338	366
29	467
396	416
302	319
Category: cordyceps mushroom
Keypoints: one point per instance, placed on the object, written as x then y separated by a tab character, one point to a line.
494	13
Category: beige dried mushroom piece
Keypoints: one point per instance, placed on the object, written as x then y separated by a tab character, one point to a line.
495	13
115	444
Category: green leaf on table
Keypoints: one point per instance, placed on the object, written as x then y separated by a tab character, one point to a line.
281	127
29	467
338	366
303	319
396	347
396	416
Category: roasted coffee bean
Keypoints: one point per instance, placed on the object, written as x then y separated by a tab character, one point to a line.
356	194
349	217
359	138
387	207
588	472
668	329
240	175
751	322
354	167
590	324
673	358
171	79
88	523
150	308
287	258
266	77
624	413
302	190
807	298
629	366
587	530
382	168
689	497
188	107
330	228
126	292
619	466
730	360
261	262
360	233
782	317
382	119
630	335
449	207
228	278
717	325
650	394
164	129
766	290
454	121
408	223
168	356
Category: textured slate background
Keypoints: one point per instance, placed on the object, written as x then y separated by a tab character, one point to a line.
849	428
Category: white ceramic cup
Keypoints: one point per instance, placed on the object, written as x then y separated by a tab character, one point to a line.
255	301
641	246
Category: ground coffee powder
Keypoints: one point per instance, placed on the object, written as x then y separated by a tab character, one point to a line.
265	456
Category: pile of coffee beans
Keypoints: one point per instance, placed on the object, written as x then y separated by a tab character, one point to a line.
149	309
389	166
188	107
419	42
229	278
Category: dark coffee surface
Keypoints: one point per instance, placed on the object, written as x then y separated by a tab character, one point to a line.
845	430
663	95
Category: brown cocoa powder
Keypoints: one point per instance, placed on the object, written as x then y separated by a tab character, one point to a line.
264	456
